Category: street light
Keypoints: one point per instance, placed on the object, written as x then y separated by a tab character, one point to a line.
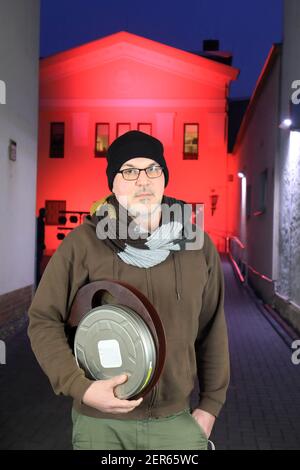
286	123
292	122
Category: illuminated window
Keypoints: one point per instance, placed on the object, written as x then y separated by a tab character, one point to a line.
191	137
57	140
54	210
122	128
147	128
101	139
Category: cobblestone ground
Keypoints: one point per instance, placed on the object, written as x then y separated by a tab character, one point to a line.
262	410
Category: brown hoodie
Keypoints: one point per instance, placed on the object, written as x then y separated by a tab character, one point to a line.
187	289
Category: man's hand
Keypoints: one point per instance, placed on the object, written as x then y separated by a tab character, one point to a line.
100	395
205	420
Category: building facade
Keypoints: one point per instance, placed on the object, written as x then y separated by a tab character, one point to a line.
91	94
19	72
267	156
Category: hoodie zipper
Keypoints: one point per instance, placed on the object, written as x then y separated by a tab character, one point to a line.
150	297
177	270
178	288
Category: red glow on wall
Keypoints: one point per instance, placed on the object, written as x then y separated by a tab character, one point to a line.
125	78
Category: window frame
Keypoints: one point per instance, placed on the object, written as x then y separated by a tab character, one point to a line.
100	153
145	124
122	124
190	156
51	145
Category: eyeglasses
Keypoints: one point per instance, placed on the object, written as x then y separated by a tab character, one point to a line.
131	174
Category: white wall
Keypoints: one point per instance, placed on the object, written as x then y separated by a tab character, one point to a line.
289	164
256	153
19	54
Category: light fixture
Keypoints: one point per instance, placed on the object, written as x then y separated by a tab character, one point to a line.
213	199
286	123
292	122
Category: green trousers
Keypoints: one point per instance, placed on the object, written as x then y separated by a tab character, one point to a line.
177	432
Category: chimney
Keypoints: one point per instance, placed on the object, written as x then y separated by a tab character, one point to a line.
211	51
210	45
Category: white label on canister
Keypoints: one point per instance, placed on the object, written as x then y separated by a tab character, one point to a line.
109	352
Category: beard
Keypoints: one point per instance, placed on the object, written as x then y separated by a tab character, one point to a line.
139	207
143	208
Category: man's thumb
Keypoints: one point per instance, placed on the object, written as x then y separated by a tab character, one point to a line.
119	379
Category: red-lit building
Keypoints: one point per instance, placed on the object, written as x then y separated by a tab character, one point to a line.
91	94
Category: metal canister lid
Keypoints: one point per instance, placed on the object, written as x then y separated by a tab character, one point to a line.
112	340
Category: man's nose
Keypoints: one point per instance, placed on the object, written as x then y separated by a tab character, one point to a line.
143	178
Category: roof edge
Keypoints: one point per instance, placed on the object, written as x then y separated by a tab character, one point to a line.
229	71
268	65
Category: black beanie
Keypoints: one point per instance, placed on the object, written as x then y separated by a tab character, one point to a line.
130	145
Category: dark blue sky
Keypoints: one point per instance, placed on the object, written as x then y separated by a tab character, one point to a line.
247	28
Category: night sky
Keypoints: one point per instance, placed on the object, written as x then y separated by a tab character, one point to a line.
246	28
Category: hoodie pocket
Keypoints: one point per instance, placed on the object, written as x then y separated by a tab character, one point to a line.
176	382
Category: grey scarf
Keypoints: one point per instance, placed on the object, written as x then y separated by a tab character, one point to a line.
135	246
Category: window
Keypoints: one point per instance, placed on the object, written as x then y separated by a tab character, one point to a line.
53	213
12	150
263	190
122	128
191	137
261	197
101	139
57	139
143	127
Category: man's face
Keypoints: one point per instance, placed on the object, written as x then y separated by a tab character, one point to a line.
143	195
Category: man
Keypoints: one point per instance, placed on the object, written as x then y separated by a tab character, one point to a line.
185	286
